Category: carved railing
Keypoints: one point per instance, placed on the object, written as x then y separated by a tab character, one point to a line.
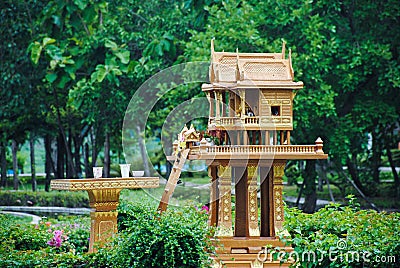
252	120
259	149
249	120
206	148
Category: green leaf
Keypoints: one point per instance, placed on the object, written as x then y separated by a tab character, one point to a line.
123	56
81	4
36	50
101	73
64	79
110	44
51	77
47	41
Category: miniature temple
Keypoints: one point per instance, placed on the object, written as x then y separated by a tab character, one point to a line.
250	124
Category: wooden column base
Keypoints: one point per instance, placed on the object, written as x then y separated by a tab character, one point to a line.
248	252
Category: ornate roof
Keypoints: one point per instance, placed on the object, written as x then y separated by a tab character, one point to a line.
271	70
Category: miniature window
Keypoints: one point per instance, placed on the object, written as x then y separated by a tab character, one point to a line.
275	110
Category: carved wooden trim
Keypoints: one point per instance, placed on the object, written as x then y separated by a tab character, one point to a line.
225	205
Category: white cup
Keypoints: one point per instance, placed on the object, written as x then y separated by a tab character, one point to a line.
125	170
97	172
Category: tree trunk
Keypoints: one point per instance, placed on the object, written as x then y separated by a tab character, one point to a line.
77	156
33	167
393	167
376	157
143	153
310	200
60	158
70	165
88	167
14	149
3	164
49	163
107	155
94	148
67	147
352	167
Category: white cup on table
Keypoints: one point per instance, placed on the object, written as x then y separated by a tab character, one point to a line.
97	172
125	168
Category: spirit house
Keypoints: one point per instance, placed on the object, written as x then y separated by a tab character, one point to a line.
250	123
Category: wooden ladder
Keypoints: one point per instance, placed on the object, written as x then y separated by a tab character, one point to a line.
173	180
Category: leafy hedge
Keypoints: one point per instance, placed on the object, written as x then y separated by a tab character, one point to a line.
344	236
45	199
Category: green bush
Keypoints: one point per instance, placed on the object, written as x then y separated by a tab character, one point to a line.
45	199
16	236
27	245
344	236
177	238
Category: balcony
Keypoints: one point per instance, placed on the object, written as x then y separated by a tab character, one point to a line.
251	123
206	151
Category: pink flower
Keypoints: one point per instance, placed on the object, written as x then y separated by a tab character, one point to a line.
205	208
57	239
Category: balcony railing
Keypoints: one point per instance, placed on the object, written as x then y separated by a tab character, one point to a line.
256	149
248	121
206	148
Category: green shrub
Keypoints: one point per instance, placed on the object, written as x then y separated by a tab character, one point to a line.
344	237
177	238
45	199
27	245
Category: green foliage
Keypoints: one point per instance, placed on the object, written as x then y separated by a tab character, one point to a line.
51	199
177	238
343	231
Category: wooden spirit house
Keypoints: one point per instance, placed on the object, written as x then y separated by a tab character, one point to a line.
251	119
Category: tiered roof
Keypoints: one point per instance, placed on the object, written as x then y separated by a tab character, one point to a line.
249	70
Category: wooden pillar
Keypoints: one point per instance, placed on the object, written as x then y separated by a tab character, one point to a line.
223	104
225	206
288	137
252	201
282	133
241	204
214	196
275	137
232	110
245	137
243	102
211	100
217	104
266	203
267	138
278	172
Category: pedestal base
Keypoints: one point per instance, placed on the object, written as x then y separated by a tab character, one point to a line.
103	228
